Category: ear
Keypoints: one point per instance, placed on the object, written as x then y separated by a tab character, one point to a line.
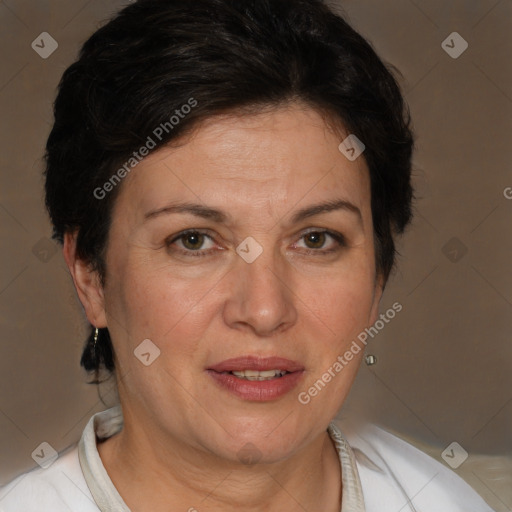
377	295
87	282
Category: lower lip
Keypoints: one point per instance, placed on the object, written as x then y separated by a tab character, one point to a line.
257	390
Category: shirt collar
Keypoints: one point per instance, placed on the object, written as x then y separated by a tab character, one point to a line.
107	423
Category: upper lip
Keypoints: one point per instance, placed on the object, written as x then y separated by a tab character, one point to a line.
257	364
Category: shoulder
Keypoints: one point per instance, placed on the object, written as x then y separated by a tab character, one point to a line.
395	475
59	487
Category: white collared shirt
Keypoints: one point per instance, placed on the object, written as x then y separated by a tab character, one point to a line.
380	473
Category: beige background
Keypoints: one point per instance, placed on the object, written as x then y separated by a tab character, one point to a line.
444	363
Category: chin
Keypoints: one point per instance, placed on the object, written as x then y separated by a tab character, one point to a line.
265	439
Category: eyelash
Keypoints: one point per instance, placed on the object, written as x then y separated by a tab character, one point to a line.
337	237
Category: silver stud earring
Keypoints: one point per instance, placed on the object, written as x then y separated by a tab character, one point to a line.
370	359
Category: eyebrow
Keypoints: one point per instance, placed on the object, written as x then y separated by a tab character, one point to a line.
219	216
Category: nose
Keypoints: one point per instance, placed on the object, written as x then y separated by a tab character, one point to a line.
261	297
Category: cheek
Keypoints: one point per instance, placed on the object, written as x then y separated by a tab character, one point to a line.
343	313
344	309
341	301
159	304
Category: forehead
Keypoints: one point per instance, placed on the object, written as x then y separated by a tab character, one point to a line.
281	157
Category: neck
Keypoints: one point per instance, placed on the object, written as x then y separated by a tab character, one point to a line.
152	472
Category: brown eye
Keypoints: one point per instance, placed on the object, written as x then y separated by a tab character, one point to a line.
315	239
191	243
193	240
321	242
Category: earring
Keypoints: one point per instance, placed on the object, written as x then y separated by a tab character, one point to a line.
370	359
96	333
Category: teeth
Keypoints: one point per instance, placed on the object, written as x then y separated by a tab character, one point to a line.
256	375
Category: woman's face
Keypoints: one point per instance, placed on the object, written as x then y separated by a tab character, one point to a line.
259	277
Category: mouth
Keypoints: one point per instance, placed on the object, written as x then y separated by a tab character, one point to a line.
257	379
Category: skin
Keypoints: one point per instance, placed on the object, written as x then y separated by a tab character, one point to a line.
182	434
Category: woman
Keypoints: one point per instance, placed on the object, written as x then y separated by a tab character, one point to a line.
227	178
